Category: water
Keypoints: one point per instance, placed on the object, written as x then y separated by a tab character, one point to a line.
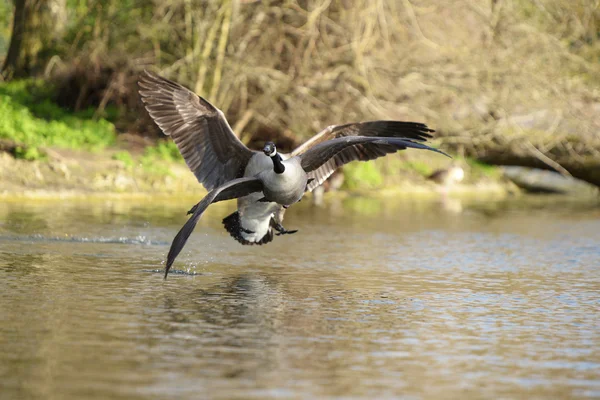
371	299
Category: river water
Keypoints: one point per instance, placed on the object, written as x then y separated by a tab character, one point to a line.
371	299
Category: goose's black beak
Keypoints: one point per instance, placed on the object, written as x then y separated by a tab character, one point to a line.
270	149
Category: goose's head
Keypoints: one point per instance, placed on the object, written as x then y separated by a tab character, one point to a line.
270	150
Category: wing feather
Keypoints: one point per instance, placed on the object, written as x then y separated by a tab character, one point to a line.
202	134
412	131
321	160
230	190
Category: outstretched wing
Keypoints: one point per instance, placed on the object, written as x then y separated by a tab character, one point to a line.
361	152
200	131
231	190
323	153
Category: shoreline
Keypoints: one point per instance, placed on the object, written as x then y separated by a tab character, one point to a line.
419	191
69	174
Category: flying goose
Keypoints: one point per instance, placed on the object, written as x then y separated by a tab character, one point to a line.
267	182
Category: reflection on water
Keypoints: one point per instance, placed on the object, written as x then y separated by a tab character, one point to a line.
371	299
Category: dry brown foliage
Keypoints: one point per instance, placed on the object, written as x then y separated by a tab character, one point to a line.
490	76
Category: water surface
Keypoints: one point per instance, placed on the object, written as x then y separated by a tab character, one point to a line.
373	298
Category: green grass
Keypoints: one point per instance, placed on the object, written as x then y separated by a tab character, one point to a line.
30	118
479	169
28	153
33	121
163	150
154	157
362	175
125	157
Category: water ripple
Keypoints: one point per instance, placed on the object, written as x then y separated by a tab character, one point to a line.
140	239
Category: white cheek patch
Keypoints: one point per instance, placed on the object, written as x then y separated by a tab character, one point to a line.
273	153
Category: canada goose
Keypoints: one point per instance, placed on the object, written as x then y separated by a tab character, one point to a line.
448	177
266	182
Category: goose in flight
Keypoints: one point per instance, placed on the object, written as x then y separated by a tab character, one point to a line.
264	182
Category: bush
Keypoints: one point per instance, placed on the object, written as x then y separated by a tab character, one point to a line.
165	150
362	175
125	157
30	118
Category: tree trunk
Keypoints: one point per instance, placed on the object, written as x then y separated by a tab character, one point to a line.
11	62
34	32
587	168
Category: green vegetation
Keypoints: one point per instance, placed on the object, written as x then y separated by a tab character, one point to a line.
163	150
422	168
499	80
479	169
30	118
362	175
154	158
28	153
125	157
33	121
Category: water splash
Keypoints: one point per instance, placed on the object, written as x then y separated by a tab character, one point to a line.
188	272
140	239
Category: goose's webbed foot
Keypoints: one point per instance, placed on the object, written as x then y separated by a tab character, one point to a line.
282	231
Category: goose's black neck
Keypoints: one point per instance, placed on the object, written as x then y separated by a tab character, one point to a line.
277	164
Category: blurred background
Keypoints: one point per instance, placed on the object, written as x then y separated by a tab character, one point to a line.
503	82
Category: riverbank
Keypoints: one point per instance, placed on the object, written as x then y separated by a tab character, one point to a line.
74	173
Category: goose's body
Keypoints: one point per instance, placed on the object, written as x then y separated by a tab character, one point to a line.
265	183
255	220
287	187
